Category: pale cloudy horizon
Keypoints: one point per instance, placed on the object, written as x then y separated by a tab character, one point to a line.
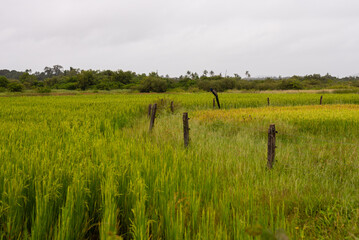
264	37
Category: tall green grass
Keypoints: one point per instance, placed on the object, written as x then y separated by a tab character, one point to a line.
86	167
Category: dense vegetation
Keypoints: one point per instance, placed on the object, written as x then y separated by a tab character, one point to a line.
75	79
86	167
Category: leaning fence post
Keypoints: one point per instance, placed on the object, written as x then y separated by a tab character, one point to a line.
153	116
185	129
149	110
216	95
271	145
321	100
268	101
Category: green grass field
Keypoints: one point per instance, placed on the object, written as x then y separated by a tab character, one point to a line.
86	167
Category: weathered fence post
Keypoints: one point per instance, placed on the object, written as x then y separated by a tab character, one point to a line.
321	100
268	101
216	95
153	116
185	129
214	103
271	145
149	110
172	107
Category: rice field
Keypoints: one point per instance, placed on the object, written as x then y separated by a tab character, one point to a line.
86	167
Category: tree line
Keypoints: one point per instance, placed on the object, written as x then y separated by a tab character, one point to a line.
56	77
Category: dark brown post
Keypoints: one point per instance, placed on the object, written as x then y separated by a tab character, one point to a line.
153	116
216	95
268	101
172	107
271	145
214	103
185	129
321	99
149	110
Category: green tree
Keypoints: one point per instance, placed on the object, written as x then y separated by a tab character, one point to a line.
85	79
205	72
58	70
27	79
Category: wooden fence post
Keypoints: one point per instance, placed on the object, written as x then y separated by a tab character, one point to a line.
216	95
185	129
321	100
214	103
172	107
271	145
149	110
268	101
153	116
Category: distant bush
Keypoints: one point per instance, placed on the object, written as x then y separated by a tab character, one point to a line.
245	85
227	83
3	82
194	89
15	87
290	84
102	86
219	85
109	85
68	86
153	84
43	90
343	91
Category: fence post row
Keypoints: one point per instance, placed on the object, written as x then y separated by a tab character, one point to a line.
153	116
271	145
271	132
185	129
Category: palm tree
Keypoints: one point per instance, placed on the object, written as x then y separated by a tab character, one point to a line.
248	74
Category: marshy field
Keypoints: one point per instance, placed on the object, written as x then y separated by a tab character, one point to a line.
87	167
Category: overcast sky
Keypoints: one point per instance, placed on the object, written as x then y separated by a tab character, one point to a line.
265	37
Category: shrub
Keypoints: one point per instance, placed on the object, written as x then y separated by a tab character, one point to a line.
219	85
43	90
153	84
68	86
244	85
344	91
3	82
102	86
290	84
227	83
15	87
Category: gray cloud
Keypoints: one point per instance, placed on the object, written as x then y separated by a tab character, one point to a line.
266	37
